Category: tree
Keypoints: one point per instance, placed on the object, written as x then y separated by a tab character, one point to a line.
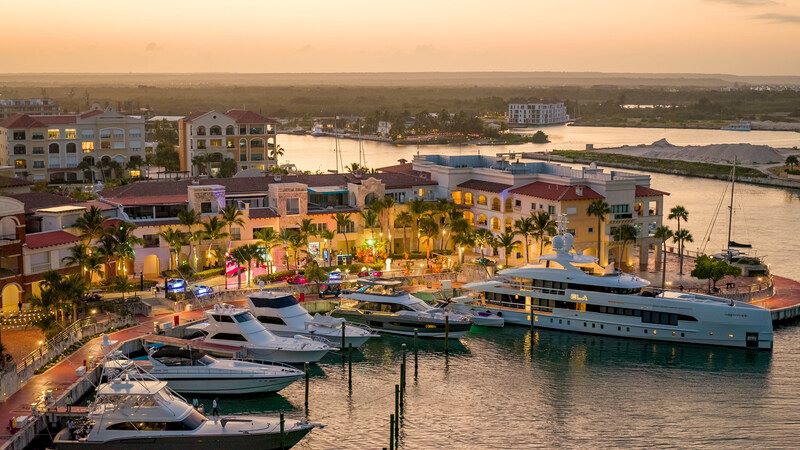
713	270
268	239
165	156
174	240
599	208
404	220
247	254
792	161
626	234
543	226
212	232
464	238
231	216
524	227
342	224
416	207
428	229
315	274
540	138
201	162
370	218
308	229
663	233
294	243
90	224
483	238
680	237
189	218
227	168
276	152
507	241
327	237
81	255
125	242
680	213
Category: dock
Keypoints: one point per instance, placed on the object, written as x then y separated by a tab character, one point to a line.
784	304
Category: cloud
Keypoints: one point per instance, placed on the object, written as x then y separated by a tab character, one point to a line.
746	3
152	47
778	18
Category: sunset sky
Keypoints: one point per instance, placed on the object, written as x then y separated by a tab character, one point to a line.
747	37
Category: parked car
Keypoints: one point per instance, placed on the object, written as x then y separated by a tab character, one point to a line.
202	290
330	289
297	278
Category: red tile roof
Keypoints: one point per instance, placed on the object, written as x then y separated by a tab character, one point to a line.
92	113
406	168
559	192
57	120
194	115
644	191
244	116
21	121
101	205
486	186
8	182
144	200
39	200
49	239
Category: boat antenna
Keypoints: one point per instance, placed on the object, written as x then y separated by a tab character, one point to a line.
730	208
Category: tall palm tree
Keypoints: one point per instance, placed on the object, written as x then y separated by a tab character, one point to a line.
342	222
680	237
268	239
483	238
107	248
524	227
404	220
370	218
465	238
308	229
249	253
275	152
90	224
626	234
416	207
429	229
174	240
388	203
296	244
190	218
327	237
212	232
544	226
599	208
679	213
507	241
231	216
126	241
78	255
663	233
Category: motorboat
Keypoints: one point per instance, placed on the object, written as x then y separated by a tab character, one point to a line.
135	412
237	327
383	306
192	371
567	294
283	315
480	316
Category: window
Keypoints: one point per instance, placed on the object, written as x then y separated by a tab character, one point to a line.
53	149
201	130
37	136
201	144
482	199
215	130
53	134
243	157
348	227
551	209
257	157
105	145
257	143
517	203
236	234
271	320
468	198
70	133
205	207
38	164
572	210
135	132
507	205
72	148
292	206
242	129
257	129
105	133
118	133
215	142
229	336
119	145
87	134
495	224
20	164
482	220
242	143
38	150
229	143
229	130
87	146
150	240
18	135
19	150
421	192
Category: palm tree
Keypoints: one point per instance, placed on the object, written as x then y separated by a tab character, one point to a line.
416	207
680	213
626	234
296	244
107	248
126	240
483	238
525	228
507	242
247	254
463	238
370	218
275	152
90	224
429	229
315	274
231	216
663	233
327	236
404	220
190	218
212	231
174	240
544	226
599	208
78	255
680	237
342	223
308	229
267	239
388	204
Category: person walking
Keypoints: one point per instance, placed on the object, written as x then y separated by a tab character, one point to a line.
214	408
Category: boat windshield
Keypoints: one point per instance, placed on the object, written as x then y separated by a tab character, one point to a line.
205	361
244	317
418	305
379	289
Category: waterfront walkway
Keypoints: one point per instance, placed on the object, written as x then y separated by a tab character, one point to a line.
62	375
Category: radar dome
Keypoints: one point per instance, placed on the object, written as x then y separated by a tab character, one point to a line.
558	242
568	240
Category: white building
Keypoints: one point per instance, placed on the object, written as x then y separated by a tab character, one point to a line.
522	114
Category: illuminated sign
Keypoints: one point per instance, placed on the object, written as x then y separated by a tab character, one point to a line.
578	298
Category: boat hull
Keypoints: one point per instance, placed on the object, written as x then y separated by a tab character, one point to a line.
333	339
405	327
195	442
227	386
286	356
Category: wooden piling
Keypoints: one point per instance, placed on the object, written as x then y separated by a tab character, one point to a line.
416	357
397	412
344	326
283	434
350	368
305	368
446	333
391	432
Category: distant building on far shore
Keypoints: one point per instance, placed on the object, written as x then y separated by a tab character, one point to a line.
522	114
384	128
33	106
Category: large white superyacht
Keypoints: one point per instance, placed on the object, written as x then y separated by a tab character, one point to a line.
562	295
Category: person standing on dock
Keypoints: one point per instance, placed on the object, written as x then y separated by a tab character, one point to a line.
214	408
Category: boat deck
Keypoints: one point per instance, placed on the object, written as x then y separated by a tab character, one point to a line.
208	347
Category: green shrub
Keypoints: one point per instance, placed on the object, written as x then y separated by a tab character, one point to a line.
203	274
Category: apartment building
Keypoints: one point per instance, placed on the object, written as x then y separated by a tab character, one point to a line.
496	192
244	136
36	106
523	114
51	148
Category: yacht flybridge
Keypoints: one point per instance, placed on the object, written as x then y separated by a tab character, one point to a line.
237	327
283	315
382	305
561	295
135	410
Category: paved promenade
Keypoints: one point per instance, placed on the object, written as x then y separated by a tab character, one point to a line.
62	375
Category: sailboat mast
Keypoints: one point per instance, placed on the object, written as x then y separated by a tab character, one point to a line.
730	208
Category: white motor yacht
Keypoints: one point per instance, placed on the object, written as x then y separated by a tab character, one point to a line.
562	296
481	317
383	306
193	372
283	315
135	413
237	327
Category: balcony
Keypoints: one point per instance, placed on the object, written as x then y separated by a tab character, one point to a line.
623	216
42	267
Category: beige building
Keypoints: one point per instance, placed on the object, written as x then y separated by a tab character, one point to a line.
38	106
244	136
51	148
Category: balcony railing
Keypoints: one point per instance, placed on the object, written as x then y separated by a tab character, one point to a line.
43	267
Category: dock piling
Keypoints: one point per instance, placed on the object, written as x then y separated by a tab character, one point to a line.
397	412
305	368
283	434
350	368
416	358
446	333
344	326
391	432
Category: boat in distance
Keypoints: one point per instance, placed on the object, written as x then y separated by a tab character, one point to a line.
562	296
283	315
381	304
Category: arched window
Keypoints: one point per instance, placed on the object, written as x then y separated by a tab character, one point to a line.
467	198
469	217
271	142
105	159
370	198
229	130
201	131
53	148
495	224
216	130
482	199
458	197
509	205
482	220
8	227
257	143
495	204
19	149
72	148
120	159
242	143
509	224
